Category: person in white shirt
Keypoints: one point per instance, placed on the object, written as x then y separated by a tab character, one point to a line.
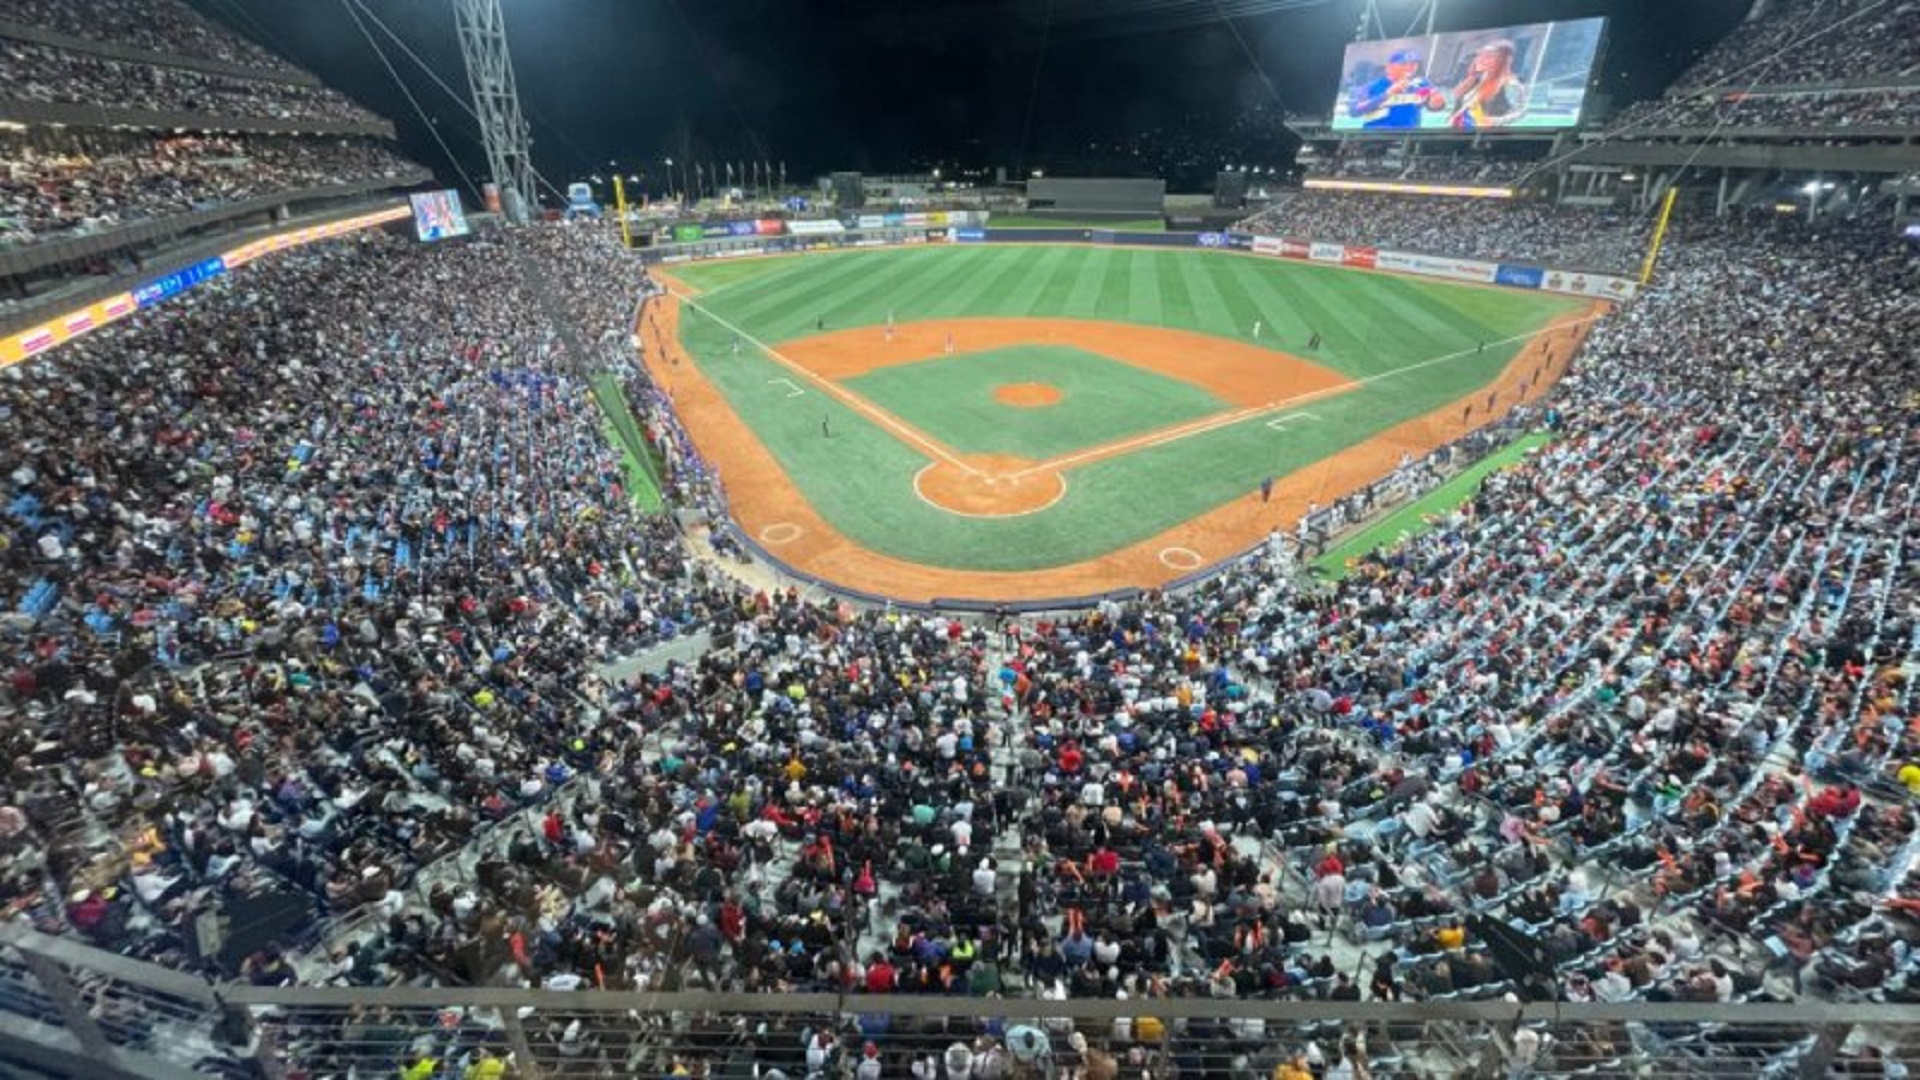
985	878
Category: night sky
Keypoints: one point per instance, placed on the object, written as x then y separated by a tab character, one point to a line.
896	85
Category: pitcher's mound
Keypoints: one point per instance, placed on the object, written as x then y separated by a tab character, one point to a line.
989	485
1027	395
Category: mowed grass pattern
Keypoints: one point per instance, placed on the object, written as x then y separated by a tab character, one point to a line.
952	399
1418	345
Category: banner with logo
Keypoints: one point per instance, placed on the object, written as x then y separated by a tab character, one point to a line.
1361	258
39	339
1603	286
822	227
1210	239
770	227
969	235
1330	253
1520	277
1432	266
869	221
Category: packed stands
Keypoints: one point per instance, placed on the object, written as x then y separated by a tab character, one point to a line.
1813	41
159	26
89	181
40	73
1517	230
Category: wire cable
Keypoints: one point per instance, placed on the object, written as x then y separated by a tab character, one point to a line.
1033	89
462	101
432	128
1258	68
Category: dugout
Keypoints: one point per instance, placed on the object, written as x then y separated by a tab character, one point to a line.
1084	198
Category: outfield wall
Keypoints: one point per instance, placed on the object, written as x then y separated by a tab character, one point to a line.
778	237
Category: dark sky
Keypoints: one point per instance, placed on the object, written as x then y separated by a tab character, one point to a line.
892	85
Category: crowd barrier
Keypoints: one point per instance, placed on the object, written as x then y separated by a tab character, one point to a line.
71	1009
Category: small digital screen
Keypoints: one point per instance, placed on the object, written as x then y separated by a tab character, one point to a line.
1515	77
437	215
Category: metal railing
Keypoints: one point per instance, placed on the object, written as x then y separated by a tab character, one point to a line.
76	1010
74	114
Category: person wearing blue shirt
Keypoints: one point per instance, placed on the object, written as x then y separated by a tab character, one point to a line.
1395	99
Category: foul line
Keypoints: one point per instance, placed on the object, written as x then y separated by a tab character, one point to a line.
842	394
1227	419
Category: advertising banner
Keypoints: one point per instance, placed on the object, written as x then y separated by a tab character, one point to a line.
688	234
914	221
1601	285
1433	266
939	219
869	221
969	235
1320	252
770	227
40	338
1266	245
153	292
824	227
246	253
1520	277
1210	239
1359	257
1295	249
1240	241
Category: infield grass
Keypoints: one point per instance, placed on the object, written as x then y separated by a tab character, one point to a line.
952	399
1413	345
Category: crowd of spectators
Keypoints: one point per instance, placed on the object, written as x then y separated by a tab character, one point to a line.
39	73
91	181
1680	725
311	574
1813	41
308	573
1514	230
1831	114
161	26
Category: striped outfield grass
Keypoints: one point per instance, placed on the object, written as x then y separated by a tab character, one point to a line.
1414	345
1413	519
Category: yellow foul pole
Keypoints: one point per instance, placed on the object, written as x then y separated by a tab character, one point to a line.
1659	235
620	207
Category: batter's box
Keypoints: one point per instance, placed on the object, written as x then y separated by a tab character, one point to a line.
793	388
1279	423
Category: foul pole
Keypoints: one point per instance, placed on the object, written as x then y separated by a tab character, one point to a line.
1659	235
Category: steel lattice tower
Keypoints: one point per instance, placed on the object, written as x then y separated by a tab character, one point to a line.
496	102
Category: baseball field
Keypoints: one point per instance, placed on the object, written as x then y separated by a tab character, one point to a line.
1021	422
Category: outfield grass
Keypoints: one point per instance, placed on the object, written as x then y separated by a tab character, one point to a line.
998	220
952	399
1411	520
1373	327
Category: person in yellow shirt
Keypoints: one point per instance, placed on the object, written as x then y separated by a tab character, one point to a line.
1909	775
422	1068
486	1067
1451	937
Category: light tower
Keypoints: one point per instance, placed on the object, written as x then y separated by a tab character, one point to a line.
496	102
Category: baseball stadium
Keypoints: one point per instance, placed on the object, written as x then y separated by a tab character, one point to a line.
1017	540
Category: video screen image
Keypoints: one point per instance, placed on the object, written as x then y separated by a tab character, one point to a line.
1512	77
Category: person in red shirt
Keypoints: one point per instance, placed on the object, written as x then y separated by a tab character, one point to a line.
880	975
1071	759
1104	863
